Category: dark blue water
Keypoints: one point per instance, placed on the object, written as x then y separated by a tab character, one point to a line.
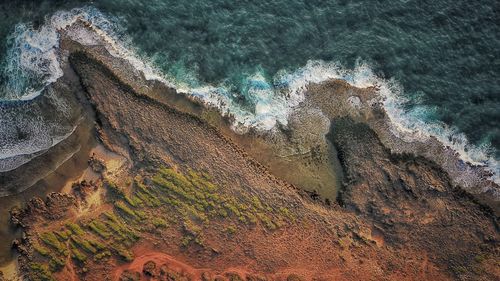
445	54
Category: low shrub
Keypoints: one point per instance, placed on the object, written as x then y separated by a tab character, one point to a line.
75	228
40	272
77	255
50	239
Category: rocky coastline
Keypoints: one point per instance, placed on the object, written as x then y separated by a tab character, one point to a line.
400	214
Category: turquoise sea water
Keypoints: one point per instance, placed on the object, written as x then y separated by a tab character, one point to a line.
444	54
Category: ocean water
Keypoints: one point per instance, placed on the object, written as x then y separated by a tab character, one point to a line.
438	61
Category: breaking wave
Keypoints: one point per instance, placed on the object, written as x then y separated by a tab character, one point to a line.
34	62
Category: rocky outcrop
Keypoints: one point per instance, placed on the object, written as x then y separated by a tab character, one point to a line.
54	207
412	203
84	189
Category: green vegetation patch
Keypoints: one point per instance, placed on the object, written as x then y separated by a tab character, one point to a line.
42	250
78	255
40	272
195	197
56	264
121	206
99	228
75	228
159	222
83	244
152	204
50	239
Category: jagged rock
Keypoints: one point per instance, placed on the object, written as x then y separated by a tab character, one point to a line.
97	165
22	248
55	207
167	274
15	244
205	276
58	204
83	189
233	276
16	216
149	268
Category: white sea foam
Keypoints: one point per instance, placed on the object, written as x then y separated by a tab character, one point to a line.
27	130
33	59
269	107
31	62
34	63
407	125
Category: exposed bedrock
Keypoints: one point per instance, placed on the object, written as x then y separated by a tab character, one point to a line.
336	99
410	200
152	134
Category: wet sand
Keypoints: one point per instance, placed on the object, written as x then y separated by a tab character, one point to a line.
54	168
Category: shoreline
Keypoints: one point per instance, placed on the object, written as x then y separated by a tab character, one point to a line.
474	179
54	181
80	25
